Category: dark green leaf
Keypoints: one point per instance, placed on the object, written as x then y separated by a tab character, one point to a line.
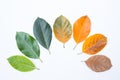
27	45
21	63
43	32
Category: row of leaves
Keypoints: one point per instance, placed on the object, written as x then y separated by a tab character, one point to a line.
63	31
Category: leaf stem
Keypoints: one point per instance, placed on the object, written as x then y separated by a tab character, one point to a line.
41	60
79	53
63	45
49	51
82	61
37	68
75	47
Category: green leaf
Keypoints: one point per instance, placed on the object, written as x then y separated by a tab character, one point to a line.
27	45
62	29
21	63
43	32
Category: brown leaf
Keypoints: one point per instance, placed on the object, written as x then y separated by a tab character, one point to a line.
99	63
94	44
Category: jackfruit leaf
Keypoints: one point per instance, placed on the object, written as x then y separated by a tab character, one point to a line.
42	32
81	29
62	29
28	45
21	63
94	44
99	63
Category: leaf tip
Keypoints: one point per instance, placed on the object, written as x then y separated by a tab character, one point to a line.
17	32
7	59
38	17
86	15
61	15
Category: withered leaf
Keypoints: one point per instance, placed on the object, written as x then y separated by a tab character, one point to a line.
94	44
62	29
99	63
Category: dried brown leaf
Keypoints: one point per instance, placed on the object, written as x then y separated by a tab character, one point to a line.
99	63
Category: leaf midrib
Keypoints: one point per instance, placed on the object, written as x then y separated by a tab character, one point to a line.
28	65
30	48
43	35
80	30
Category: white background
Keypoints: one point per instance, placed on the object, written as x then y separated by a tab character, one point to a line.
63	63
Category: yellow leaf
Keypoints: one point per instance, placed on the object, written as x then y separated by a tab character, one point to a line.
62	29
94	44
81	29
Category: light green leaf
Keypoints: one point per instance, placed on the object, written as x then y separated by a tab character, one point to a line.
62	29
43	32
21	63
27	45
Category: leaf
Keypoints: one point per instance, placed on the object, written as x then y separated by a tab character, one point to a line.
27	45
99	63
43	32
81	29
21	63
62	29
94	44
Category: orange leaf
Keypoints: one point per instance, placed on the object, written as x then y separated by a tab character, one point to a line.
99	63
94	44
81	29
